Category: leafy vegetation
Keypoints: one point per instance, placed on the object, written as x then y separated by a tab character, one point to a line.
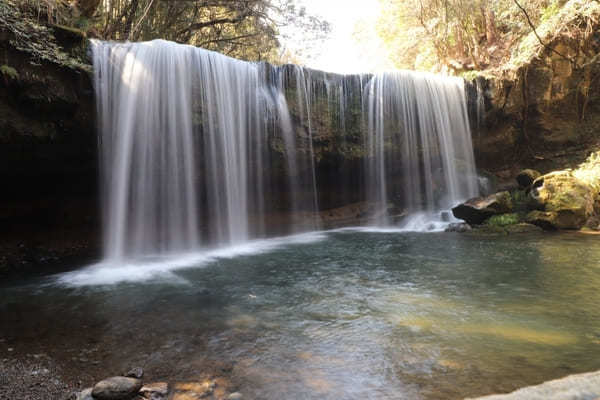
31	36
9	72
457	36
503	220
247	29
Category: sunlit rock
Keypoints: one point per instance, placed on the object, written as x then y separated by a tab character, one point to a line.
574	387
564	201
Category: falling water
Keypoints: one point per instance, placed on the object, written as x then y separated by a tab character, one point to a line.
419	144
199	149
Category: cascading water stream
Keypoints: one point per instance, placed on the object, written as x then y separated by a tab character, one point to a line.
419	136
199	149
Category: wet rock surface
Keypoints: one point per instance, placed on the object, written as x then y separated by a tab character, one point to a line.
116	388
475	211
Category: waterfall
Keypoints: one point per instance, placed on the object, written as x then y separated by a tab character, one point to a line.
419	143
199	149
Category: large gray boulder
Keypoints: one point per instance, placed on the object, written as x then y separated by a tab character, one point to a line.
475	211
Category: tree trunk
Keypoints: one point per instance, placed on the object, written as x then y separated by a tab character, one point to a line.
490	25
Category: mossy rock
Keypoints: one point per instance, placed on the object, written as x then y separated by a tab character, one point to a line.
521	227
503	220
526	177
564	202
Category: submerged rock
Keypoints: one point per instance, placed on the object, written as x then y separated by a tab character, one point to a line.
564	202
526	177
475	211
116	388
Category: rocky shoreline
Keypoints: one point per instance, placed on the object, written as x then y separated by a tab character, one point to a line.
559	200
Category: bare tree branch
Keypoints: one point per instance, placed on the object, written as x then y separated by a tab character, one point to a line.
552	49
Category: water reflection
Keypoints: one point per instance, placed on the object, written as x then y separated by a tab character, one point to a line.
355	315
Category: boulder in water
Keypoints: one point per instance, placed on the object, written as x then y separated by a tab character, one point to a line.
526	177
116	388
475	211
562	200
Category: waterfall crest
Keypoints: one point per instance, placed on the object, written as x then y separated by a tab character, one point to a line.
199	149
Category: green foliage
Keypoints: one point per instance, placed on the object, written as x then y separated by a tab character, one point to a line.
31	36
520	200
503	220
246	29
9	72
571	19
457	36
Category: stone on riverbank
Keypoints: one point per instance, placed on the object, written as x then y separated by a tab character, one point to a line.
574	387
475	211
116	388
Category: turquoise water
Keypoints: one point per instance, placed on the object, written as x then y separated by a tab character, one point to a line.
337	315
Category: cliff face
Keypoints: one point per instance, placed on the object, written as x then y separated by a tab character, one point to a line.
543	113
47	145
544	110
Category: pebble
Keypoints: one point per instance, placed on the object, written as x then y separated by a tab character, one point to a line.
235	396
137	373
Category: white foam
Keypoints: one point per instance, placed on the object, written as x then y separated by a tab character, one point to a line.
162	268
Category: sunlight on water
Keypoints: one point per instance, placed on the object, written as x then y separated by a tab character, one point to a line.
161	268
344	314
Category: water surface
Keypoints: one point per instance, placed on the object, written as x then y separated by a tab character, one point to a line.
337	315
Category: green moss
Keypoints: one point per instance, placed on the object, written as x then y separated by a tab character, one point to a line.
9	72
520	200
29	35
503	220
